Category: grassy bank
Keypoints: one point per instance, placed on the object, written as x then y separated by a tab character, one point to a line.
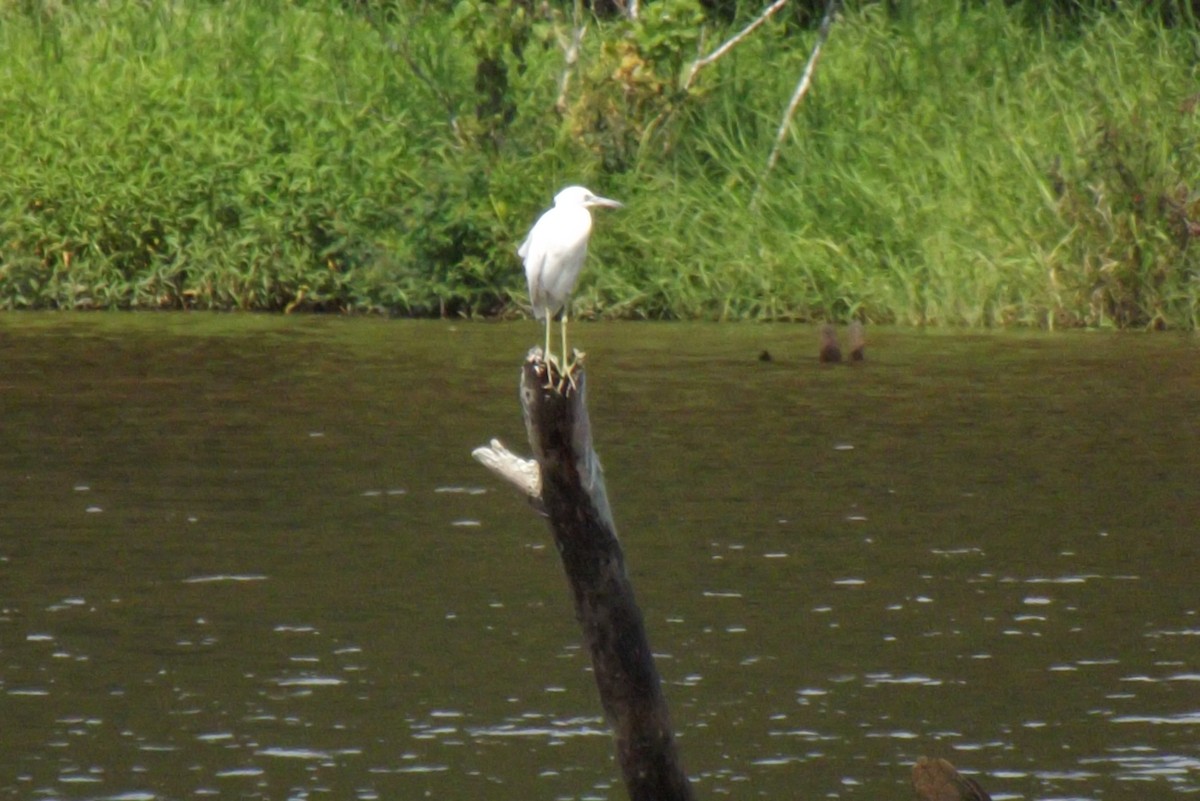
966	167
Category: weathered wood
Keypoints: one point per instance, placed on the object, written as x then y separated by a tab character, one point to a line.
565	482
937	780
573	498
523	474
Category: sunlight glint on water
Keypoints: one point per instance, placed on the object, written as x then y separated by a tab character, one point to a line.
977	547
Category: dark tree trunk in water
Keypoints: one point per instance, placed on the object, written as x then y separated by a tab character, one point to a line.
566	484
574	501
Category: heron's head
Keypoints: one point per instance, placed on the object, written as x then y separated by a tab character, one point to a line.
581	196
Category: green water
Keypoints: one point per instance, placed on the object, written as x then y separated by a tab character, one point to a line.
251	557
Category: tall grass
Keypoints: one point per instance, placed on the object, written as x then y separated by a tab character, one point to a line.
952	165
964	169
241	155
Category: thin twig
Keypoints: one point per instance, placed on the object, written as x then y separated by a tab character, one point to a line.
570	58
802	87
628	8
402	48
730	43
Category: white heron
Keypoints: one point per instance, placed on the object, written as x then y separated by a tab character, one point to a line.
554	253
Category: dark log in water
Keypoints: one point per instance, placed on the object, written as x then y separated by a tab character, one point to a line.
937	780
570	492
565	483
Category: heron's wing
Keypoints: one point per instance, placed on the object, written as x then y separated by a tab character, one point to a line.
533	254
564	244
553	254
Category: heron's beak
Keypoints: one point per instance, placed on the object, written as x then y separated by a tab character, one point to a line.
596	200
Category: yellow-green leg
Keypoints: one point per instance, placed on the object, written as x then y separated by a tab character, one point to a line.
566	365
568	368
547	356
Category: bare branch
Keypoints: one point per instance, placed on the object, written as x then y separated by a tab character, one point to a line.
570	58
802	88
730	43
628	8
574	502
521	473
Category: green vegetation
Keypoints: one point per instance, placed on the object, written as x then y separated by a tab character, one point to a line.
955	163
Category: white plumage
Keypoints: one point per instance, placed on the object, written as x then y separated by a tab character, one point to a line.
554	253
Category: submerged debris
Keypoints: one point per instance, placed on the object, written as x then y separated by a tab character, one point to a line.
830	352
858	341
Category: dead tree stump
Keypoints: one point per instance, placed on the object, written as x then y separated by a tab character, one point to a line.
566	483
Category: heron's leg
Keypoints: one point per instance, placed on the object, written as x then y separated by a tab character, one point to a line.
566	354
568	360
547	357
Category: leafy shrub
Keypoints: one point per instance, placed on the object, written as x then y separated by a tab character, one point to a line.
954	163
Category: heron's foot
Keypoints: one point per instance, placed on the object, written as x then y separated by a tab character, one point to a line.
552	372
568	375
556	376
576	361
